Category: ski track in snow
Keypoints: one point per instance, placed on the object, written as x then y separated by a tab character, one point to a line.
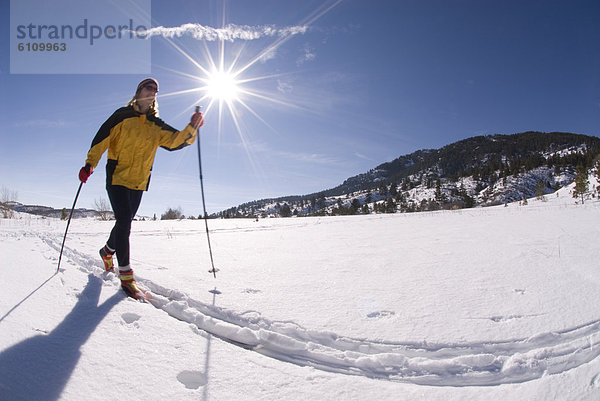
434	364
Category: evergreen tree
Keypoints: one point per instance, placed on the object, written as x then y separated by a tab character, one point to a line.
354	206
597	172
390	206
383	189
439	195
539	190
468	201
285	210
581	182
405	184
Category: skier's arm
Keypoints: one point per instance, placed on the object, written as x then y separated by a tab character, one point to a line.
170	138
180	139
99	146
102	138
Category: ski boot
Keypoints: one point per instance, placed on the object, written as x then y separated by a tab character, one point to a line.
107	259
129	286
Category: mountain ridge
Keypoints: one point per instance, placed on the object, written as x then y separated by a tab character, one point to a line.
47	211
480	170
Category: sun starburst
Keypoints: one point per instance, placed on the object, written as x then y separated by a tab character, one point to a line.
222	86
227	85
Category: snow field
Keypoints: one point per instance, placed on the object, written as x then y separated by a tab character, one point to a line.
433	305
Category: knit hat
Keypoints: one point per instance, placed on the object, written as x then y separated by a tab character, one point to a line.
144	83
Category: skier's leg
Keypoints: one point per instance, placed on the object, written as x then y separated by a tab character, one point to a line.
125	203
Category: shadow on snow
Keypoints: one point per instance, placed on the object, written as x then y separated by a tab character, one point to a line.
38	368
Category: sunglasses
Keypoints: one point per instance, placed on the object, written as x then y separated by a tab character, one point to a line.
151	88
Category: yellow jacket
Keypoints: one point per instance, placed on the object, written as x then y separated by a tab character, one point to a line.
132	139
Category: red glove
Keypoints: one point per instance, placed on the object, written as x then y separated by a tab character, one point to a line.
85	173
197	120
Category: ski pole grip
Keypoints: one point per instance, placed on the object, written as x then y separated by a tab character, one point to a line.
197	111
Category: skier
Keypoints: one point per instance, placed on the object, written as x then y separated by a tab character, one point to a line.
132	135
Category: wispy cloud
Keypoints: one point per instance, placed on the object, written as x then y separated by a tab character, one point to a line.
230	32
284	87
314	158
268	55
303	157
361	156
307	55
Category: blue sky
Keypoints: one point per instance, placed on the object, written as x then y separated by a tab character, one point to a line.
361	83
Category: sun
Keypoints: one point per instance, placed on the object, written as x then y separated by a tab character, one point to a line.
223	86
226	78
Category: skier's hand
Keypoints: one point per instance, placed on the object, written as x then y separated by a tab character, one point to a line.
85	173
197	120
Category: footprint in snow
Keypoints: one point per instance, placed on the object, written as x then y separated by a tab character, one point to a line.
595	381
499	319
381	314
192	379
130	318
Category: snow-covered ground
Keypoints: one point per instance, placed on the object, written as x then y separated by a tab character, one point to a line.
497	303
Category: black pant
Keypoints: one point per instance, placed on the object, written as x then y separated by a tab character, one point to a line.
125	203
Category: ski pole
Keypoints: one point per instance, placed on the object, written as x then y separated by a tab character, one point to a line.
67	229
212	263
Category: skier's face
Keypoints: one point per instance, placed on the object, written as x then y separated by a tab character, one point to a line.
148	92
147	95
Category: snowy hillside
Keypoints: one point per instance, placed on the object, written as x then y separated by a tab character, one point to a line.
49	211
497	303
485	170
